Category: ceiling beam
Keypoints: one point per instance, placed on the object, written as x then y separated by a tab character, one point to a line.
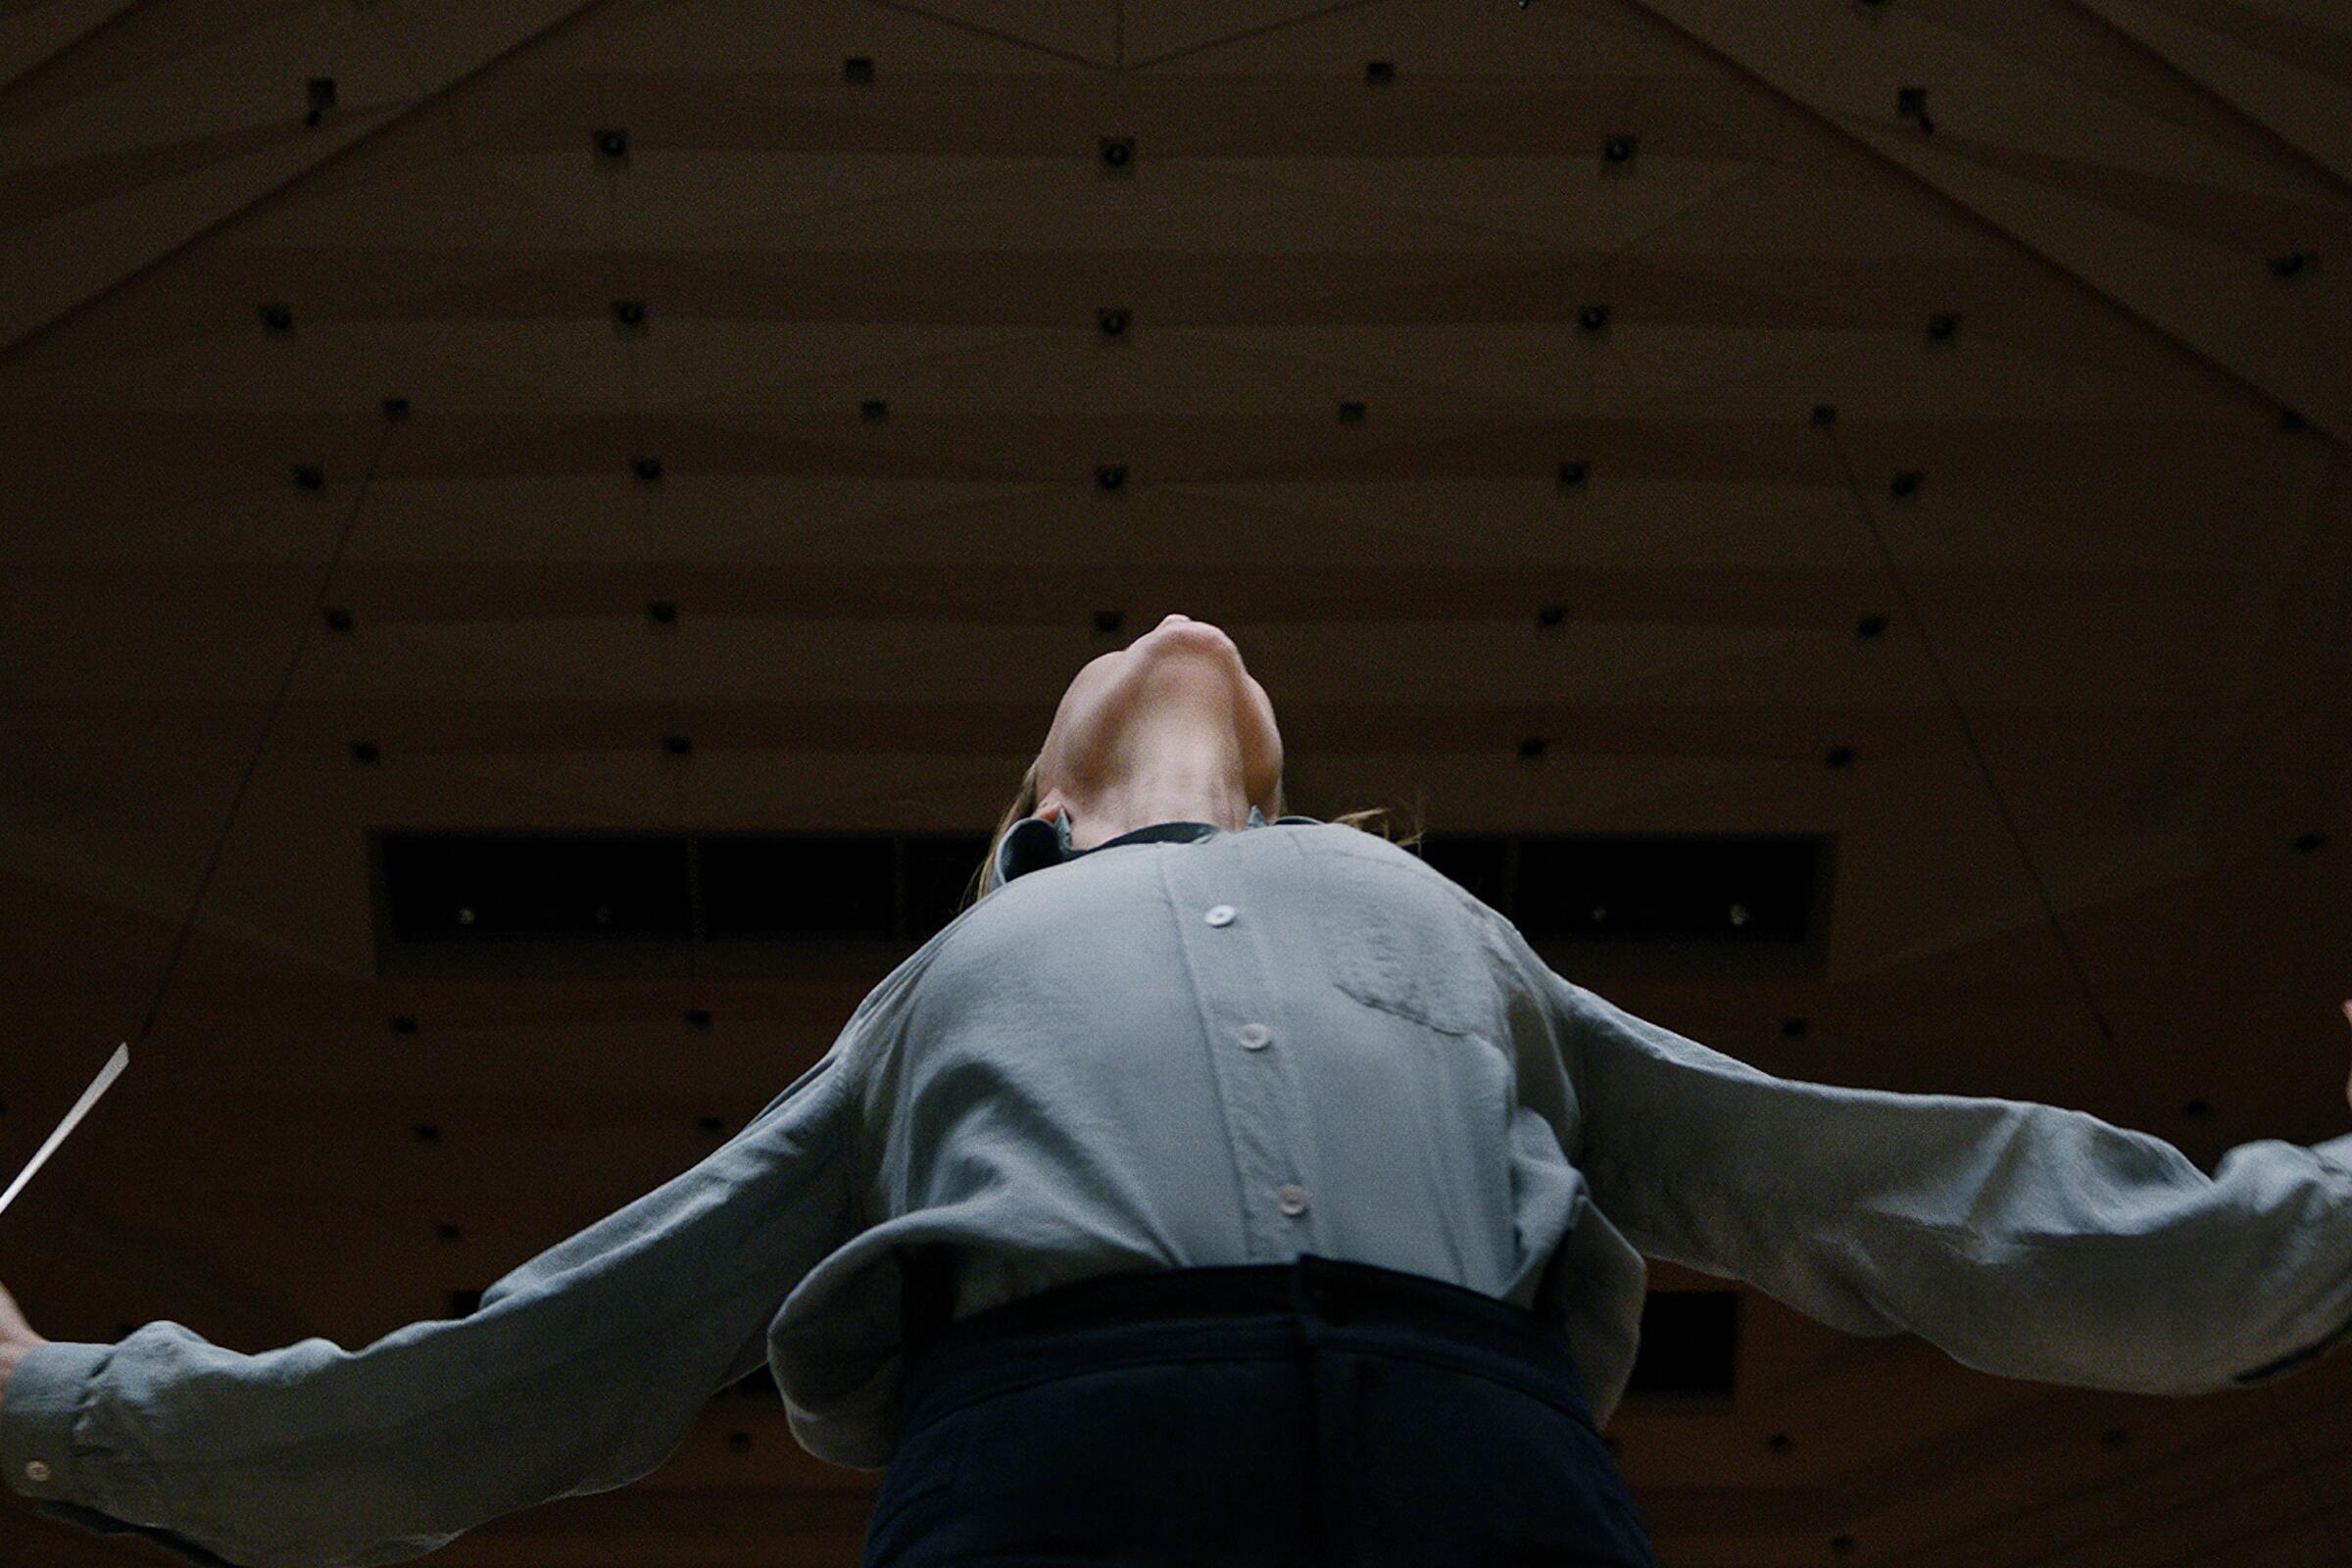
2309	112
41	35
2219	303
235	117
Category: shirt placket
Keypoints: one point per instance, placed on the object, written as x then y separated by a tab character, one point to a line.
1228	956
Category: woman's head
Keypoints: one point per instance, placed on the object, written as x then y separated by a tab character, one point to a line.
1172	727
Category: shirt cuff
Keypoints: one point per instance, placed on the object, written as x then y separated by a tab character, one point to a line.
36	1416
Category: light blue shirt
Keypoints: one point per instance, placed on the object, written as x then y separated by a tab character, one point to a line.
1193	1046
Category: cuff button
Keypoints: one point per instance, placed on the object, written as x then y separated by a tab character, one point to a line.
36	1470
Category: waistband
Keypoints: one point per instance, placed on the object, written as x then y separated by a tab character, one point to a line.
1215	1312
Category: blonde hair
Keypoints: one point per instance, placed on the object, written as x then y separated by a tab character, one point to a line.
1024	804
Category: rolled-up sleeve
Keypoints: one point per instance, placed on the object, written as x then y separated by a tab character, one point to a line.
581	1370
2022	1239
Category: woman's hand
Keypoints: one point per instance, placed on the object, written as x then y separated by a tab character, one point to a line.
16	1339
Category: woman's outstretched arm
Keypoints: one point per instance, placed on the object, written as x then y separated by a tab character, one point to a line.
581	1371
2022	1239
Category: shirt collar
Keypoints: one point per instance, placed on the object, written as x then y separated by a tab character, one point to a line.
1035	842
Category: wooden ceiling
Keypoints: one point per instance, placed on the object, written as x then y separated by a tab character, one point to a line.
2071	274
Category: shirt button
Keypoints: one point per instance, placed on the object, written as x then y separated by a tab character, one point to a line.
1293	1198
1222	915
1255	1036
35	1470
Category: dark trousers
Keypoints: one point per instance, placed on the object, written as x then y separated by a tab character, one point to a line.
1317	1414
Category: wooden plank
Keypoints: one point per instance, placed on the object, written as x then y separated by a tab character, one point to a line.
34	38
2310	110
2107	192
192	145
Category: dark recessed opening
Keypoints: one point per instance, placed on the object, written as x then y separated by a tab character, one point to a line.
1480	863
1687	1343
1661	896
939	868
1664	889
1709	889
450	890
801	885
477	887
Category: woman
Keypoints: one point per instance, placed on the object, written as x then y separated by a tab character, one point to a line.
1220	1186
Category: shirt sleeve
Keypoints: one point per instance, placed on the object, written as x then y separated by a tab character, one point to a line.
2023	1240
581	1371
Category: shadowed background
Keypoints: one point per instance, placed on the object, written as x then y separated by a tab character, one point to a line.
1916	429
